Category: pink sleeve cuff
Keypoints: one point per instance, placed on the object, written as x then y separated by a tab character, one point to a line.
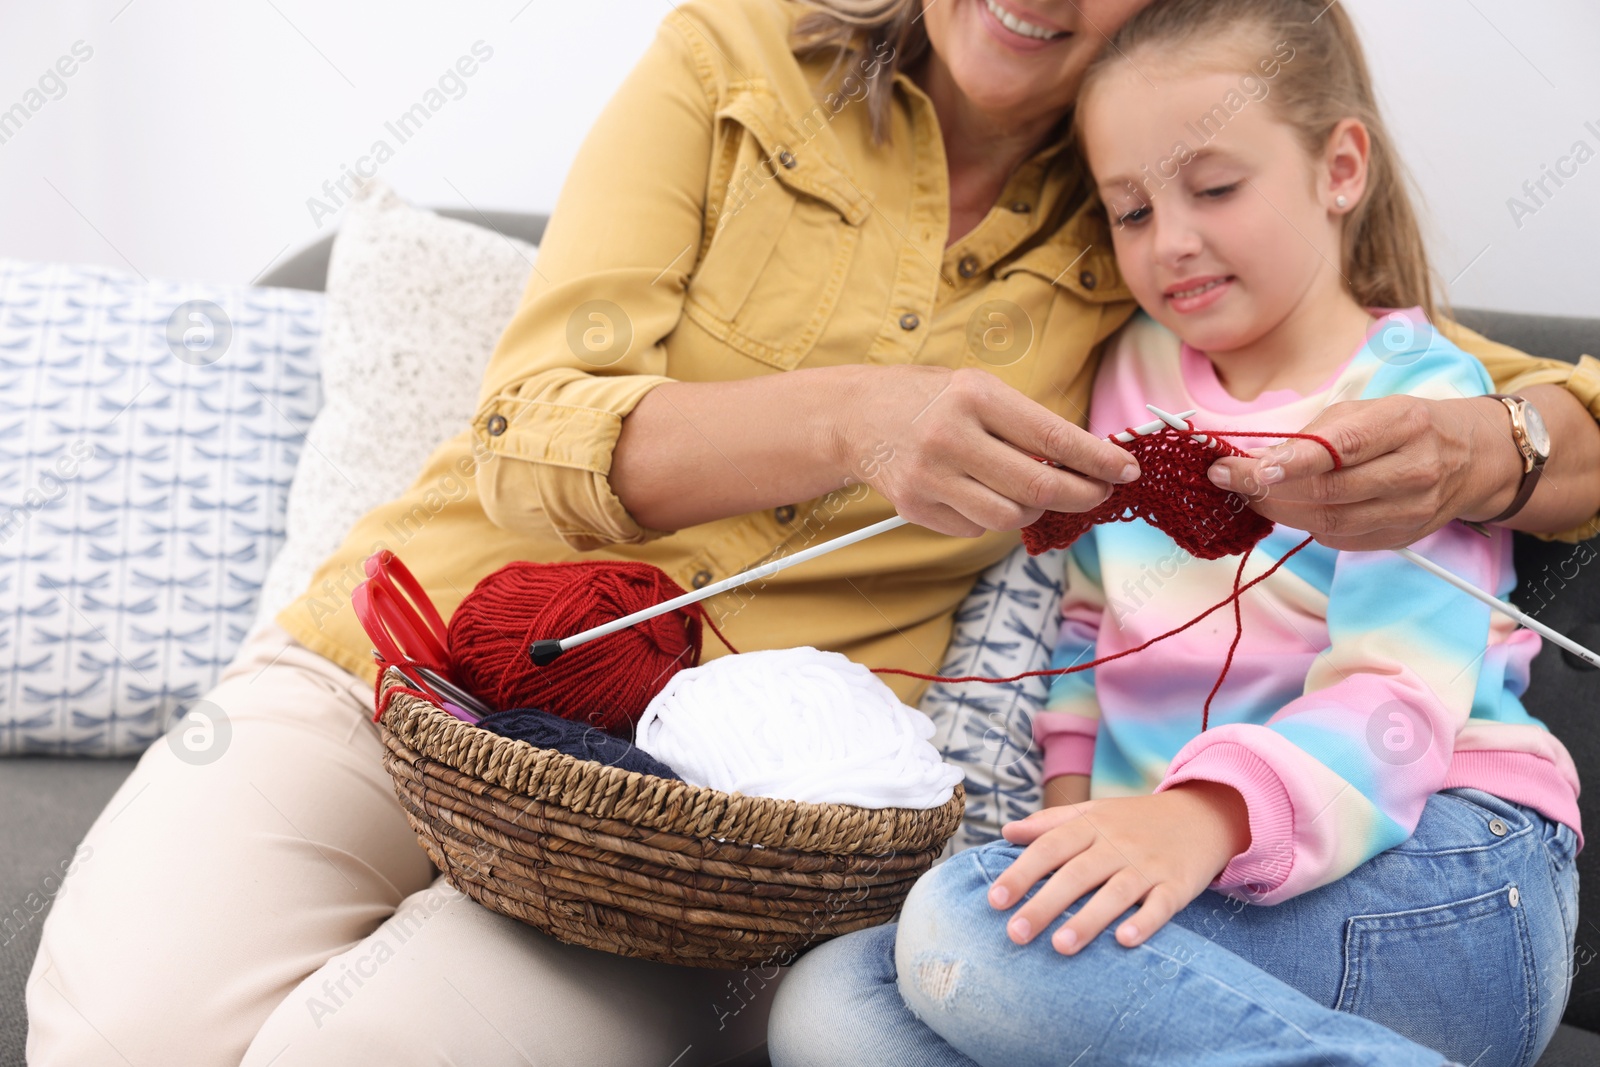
1264	866
1067	754
1067	742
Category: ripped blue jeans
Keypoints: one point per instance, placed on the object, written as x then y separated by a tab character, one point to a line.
1456	945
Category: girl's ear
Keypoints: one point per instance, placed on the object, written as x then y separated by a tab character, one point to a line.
1345	179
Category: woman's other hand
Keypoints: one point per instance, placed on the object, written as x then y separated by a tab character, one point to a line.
953	450
1163	849
1412	465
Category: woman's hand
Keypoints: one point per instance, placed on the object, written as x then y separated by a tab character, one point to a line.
953	450
1410	466
1163	849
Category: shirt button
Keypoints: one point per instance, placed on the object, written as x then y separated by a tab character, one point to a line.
784	514
496	425
909	321
786	157
1087	279
1497	827
1513	896
1021	207
701	579
968	266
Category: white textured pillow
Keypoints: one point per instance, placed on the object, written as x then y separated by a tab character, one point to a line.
415	305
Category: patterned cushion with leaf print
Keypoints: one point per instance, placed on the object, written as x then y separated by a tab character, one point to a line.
1006	625
148	435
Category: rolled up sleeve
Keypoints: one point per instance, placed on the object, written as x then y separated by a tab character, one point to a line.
1513	370
585	344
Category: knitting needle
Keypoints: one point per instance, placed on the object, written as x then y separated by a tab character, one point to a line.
545	651
1181	423
1501	606
453	693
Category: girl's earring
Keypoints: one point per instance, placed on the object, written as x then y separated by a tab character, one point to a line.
1342	201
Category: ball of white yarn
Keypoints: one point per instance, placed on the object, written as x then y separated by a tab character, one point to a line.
800	724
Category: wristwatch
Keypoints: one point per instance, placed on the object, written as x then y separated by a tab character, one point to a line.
1532	439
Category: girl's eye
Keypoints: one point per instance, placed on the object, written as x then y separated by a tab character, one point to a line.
1130	218
1220	191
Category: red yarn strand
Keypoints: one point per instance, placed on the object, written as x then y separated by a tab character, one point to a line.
1238	632
1231	598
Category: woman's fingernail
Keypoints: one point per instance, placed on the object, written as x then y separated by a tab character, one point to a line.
1129	472
1270	475
1066	939
1221	477
1020	929
999	896
1128	932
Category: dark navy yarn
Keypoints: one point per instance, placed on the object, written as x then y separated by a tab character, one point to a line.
574	739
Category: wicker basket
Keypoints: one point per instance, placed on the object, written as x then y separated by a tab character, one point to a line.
645	866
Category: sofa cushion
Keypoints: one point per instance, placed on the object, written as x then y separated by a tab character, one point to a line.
415	306
1006	626
148	433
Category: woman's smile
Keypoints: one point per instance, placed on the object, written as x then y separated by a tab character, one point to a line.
1012	29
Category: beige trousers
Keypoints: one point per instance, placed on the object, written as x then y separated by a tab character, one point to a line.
253	894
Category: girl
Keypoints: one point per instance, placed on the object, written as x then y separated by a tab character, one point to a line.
1367	770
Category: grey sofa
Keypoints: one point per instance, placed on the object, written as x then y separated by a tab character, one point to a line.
46	804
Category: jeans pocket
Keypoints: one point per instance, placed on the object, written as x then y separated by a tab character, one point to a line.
1457	978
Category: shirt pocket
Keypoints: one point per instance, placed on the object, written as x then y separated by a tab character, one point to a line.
786	235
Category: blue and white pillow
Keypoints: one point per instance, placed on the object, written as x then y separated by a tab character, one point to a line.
1007	625
148	435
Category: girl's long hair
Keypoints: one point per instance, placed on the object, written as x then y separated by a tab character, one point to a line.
1384	259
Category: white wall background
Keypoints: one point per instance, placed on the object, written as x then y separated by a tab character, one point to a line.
188	144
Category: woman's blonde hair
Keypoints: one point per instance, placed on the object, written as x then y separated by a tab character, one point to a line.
1325	80
882	36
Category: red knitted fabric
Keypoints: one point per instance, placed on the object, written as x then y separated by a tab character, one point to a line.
1173	494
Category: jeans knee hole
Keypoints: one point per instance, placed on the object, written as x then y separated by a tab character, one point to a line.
937	979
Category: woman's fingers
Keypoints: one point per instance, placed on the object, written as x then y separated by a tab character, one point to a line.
1039	431
1037	486
1395	486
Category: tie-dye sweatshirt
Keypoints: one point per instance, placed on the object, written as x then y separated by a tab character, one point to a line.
1362	684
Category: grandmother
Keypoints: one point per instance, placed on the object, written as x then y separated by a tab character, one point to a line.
812	267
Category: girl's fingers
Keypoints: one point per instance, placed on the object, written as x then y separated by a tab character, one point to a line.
1060	890
1160	905
1115	897
1038	860
1027	830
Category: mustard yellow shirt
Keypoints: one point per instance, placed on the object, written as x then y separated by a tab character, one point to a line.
728	216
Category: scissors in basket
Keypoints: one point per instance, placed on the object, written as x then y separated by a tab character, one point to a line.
408	633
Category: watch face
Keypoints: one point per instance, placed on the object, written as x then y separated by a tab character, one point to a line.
1538	434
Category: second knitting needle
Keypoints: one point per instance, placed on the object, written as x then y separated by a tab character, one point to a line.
1181	423
545	651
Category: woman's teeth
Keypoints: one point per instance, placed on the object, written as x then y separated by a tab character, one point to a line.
1016	25
1184	294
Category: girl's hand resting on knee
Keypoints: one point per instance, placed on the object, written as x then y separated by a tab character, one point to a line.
1163	849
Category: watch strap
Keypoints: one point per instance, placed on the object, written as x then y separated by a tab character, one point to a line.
1533	464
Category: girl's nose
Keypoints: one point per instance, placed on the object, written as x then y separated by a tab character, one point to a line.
1176	239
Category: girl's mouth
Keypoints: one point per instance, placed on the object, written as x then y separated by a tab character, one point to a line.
1015	32
1197	293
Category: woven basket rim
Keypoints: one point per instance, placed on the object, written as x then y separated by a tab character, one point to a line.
596	789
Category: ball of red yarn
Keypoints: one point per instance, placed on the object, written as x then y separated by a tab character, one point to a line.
1173	494
606	682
